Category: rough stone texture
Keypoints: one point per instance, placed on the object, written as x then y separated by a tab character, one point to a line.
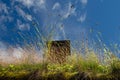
58	50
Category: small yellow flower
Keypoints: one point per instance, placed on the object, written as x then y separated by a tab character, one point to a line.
11	65
3	69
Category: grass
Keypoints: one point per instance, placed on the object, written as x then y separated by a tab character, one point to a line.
75	68
78	66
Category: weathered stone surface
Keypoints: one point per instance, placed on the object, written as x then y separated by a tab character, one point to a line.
58	50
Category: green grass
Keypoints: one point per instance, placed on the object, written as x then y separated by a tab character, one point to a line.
74	68
77	66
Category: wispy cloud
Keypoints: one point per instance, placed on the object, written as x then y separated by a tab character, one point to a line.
29	17
4	13
23	14
41	3
70	10
61	26
82	18
16	55
84	2
7	17
28	3
4	16
56	6
20	11
23	26
2	45
33	3
3	8
59	32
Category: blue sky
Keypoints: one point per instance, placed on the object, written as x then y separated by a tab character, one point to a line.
72	19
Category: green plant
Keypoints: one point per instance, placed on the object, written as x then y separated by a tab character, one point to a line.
115	66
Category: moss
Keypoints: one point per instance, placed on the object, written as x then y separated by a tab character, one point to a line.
75	68
69	75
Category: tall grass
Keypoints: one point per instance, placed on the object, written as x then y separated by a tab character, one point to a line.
84	60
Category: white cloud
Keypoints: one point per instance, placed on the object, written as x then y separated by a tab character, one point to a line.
60	32
16	55
33	3
61	26
23	14
82	18
29	17
41	4
56	6
5	18
27	3
84	2
69	11
2	45
20	11
19	55
4	13
23	26
3	8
